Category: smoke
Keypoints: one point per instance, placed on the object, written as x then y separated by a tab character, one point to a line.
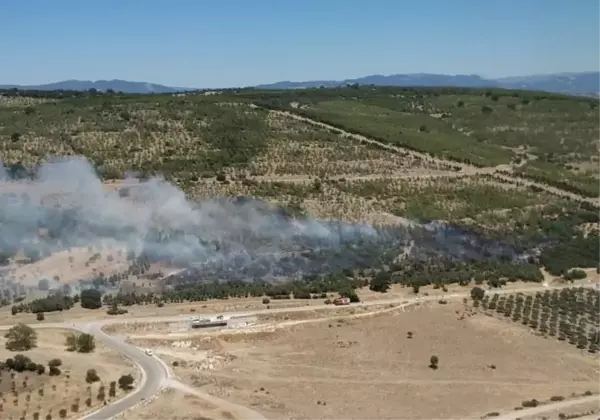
65	204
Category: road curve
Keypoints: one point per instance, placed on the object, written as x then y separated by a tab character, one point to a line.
155	373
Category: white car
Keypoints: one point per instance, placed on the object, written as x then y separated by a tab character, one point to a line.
149	352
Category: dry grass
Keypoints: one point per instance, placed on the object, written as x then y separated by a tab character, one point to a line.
368	368
175	405
48	395
70	266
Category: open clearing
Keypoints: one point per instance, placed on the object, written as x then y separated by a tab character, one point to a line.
369	368
189	407
44	394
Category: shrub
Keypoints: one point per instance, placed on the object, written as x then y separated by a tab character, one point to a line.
91	376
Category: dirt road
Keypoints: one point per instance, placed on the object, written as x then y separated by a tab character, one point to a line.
156	374
498	172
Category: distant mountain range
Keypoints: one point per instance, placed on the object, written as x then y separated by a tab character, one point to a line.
102	85
583	83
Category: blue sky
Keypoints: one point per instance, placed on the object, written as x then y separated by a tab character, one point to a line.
221	43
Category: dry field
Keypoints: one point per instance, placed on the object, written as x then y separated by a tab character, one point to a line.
188	407
47	395
70	266
299	372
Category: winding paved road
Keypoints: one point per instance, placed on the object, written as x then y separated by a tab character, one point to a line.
156	374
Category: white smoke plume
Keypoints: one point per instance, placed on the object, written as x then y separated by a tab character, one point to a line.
221	237
67	198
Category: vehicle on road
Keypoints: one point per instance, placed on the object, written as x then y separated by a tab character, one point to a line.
341	301
149	352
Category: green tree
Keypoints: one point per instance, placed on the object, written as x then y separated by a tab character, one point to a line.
477	293
381	282
91	299
21	337
126	382
91	376
71	341
85	343
433	362
40	369
55	363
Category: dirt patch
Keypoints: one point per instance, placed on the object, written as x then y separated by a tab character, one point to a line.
368	368
175	405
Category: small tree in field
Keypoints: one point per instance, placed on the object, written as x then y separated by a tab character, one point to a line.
477	293
126	382
433	362
91	376
21	337
85	343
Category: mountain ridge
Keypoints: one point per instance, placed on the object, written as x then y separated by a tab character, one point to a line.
116	85
575	83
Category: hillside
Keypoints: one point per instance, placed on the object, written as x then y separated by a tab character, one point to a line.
515	166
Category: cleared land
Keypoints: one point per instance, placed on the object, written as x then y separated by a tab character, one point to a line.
41	395
369	368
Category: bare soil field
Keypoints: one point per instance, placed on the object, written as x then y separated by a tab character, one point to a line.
369	368
48	395
189	407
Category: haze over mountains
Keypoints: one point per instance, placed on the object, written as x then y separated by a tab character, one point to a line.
581	83
102	85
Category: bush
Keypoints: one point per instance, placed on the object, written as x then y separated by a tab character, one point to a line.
21	337
40	316
91	376
91	299
55	363
530	403
557	398
575	274
266	301
126	382
433	362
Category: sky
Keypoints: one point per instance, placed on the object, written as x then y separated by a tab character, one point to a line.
227	43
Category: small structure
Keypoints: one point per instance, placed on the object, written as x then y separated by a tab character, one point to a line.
209	322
